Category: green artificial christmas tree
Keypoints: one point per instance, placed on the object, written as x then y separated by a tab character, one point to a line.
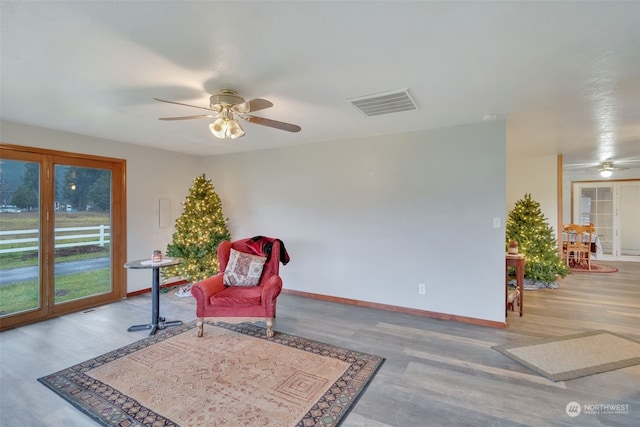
199	231
526	225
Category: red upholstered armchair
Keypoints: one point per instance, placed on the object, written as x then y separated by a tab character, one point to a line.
214	299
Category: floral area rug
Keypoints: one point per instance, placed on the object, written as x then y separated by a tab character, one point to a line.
595	268
232	376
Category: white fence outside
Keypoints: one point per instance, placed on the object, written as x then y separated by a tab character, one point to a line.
100	233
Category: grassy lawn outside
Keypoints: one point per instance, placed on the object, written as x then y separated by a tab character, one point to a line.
29	220
23	296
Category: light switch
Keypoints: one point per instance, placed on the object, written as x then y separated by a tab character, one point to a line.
496	222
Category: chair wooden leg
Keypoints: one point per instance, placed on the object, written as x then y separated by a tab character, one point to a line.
269	322
200	326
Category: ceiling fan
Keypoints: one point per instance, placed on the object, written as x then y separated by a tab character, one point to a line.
607	168
227	107
607	165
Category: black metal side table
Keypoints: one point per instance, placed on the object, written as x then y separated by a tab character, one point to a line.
157	322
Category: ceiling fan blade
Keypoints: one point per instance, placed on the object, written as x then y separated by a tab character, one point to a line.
252	105
273	123
180	103
259	104
200	116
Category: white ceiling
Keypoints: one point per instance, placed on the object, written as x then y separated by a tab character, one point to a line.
564	75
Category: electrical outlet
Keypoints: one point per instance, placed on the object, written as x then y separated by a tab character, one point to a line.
422	289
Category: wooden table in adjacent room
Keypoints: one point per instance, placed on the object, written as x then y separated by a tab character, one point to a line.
157	322
517	261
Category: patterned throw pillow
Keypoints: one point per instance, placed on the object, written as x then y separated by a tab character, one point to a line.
243	269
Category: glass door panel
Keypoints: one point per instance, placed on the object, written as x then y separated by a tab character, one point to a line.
596	207
630	220
603	218
82	255
19	237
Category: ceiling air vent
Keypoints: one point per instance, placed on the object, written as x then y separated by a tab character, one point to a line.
384	103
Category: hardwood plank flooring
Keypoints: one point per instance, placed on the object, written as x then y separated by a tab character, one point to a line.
436	373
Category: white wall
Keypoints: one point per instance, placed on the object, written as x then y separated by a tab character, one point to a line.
369	219
151	175
366	219
537	176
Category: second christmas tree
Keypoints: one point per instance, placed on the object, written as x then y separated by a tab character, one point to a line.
526	225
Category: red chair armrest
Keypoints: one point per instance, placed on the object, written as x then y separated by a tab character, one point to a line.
271	288
205	289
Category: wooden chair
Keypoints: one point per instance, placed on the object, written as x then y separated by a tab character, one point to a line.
578	244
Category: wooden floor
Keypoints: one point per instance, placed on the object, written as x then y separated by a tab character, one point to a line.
436	373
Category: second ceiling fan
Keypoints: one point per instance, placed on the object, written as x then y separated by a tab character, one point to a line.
227	107
606	169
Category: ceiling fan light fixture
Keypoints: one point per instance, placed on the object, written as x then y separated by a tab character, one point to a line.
234	130
606	173
218	127
224	128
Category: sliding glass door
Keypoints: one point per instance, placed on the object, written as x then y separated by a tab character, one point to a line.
62	233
